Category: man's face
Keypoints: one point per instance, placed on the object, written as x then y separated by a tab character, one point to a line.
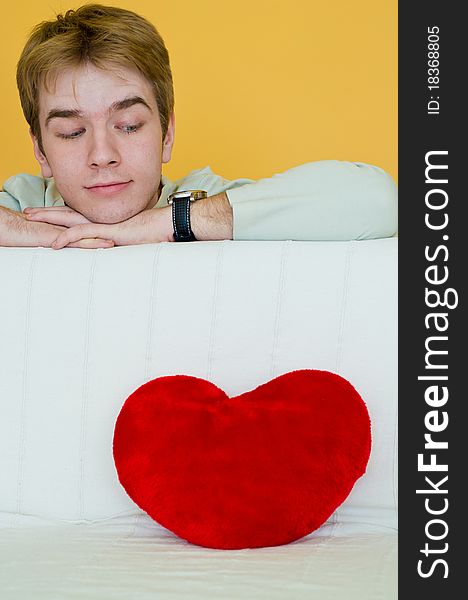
102	140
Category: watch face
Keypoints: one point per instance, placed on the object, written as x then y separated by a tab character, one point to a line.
190	194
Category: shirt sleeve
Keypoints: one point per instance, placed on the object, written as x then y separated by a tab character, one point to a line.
323	200
23	191
7	201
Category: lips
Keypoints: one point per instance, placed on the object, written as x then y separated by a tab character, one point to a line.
107	189
110	184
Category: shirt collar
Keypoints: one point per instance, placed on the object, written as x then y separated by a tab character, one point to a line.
168	187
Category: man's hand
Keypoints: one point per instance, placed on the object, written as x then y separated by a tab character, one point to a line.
211	219
147	227
55	215
18	231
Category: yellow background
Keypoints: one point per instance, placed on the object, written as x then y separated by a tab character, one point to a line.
260	85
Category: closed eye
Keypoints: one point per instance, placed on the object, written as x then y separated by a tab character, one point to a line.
71	136
76	134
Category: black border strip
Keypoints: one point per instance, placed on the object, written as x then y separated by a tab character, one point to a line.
431	270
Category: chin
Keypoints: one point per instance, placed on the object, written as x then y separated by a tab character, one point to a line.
109	217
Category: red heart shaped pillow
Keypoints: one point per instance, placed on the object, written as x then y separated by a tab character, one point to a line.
260	469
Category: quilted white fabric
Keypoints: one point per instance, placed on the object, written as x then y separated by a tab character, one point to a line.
82	329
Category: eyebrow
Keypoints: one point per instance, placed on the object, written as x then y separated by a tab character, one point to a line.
68	113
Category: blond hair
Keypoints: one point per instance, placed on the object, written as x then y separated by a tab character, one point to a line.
103	36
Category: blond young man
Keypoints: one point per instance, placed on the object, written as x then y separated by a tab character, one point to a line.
96	90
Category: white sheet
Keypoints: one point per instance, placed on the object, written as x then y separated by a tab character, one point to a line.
134	558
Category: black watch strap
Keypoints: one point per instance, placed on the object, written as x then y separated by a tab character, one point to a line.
181	220
181	213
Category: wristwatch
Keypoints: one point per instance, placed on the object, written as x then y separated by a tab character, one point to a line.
181	213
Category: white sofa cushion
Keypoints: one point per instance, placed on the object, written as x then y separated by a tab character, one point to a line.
82	329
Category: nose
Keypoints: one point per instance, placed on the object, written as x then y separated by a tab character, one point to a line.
103	151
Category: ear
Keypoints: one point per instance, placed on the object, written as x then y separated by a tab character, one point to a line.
40	157
169	140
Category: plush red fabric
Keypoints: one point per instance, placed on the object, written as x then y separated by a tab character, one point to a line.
260	469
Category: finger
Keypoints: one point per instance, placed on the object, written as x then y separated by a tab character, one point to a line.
67	218
80	232
92	243
32	209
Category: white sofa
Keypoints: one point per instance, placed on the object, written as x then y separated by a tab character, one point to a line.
80	330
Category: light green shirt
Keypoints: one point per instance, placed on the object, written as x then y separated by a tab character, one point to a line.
323	200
